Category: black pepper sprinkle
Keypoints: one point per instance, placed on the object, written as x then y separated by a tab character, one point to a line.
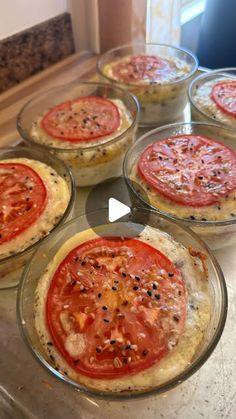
49	343
99	295
204	219
104	307
192	217
106	320
114	288
137	278
27	199
76	259
157	296
112	341
149	293
145	352
232	214
124	274
170	274
135	288
154	286
98	349
83	263
127	347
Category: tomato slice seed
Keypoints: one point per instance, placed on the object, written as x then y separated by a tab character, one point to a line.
101	321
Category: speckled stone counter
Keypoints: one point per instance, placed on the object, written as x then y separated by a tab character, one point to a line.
35	49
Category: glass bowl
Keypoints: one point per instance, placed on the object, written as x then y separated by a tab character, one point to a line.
89	163
11	267
137	220
160	102
216	234
203	108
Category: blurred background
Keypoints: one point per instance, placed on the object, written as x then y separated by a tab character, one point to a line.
43	32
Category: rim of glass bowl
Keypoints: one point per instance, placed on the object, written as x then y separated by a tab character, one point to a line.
68	208
172	217
186	51
207	74
24	134
188	372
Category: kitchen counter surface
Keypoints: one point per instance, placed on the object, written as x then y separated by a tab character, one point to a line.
27	390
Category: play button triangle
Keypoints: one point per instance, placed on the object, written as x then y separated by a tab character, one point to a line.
116	209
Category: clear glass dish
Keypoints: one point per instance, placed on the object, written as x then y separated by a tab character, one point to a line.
216	234
11	267
206	110
160	102
90	164
45	253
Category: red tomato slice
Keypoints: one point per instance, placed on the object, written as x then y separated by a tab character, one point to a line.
83	119
123	298
224	95
23	198
189	169
141	67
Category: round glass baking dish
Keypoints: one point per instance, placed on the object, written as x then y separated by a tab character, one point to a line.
160	102
216	234
208	111
11	267
98	221
90	163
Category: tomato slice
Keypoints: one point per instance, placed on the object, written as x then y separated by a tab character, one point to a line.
189	169
141	67
83	119
119	302
23	198
224	95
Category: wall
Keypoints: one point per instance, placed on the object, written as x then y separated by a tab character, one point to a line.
17	15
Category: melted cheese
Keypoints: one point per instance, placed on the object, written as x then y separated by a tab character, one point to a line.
58	198
198	311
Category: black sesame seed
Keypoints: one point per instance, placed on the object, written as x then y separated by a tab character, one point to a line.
112	341
98	349
232	214
154	286
124	274
104	307
114	288
145	352
192	217
170	274
204	219
135	288
176	318
127	347
49	343
76	259
157	296
106	320
137	278
99	295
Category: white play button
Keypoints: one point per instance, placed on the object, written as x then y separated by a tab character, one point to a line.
116	210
